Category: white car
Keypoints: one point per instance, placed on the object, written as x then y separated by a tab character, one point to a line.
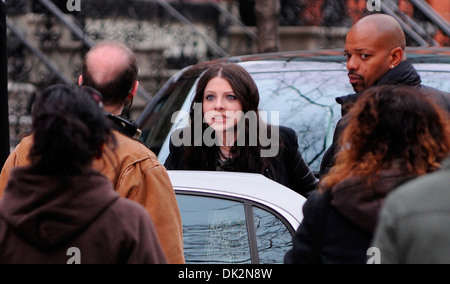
235	217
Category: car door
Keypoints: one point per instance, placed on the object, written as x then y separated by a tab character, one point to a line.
221	229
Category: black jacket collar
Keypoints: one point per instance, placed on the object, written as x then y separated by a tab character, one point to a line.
402	74
128	128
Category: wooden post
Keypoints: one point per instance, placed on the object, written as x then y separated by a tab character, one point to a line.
267	14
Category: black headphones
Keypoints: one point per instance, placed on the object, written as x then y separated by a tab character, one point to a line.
128	128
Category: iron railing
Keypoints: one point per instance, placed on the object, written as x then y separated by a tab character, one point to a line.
196	32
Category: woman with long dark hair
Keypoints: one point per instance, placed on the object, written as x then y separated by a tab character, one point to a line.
60	210
226	133
395	133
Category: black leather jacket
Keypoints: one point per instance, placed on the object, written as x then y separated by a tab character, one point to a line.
292	171
403	74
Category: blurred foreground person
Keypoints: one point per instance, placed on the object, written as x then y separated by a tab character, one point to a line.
414	226
60	210
111	68
394	134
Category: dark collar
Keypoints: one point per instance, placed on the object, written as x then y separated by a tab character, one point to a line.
402	74
128	128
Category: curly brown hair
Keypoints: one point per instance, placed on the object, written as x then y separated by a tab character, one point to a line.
391	126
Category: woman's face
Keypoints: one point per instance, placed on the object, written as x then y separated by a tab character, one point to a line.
221	108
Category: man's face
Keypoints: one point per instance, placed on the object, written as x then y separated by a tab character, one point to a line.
367	57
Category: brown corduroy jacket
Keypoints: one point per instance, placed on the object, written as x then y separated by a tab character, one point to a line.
136	174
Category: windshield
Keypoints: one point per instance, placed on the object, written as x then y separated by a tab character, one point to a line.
303	100
302	95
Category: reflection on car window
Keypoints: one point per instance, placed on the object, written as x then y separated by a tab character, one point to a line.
273	237
438	80
158	125
302	100
305	101
304	96
214	230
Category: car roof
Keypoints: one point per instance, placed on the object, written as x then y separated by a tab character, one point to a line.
429	55
414	54
326	59
253	187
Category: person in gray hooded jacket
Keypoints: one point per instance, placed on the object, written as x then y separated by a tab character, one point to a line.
59	210
414	226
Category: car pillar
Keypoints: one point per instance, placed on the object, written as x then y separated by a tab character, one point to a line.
4	122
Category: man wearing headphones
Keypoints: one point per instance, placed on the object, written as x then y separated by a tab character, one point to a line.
116	79
134	170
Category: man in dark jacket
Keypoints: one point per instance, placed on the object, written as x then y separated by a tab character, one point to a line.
375	51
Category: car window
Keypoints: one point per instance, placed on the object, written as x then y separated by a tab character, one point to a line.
273	237
303	100
214	230
436	79
157	125
300	95
306	102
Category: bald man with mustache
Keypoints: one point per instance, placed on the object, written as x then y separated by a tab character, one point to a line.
375	52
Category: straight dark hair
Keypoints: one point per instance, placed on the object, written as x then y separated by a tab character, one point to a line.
244	158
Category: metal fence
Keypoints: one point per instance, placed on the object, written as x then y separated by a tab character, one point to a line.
47	40
4	126
45	47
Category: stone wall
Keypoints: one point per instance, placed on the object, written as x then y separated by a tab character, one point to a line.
163	45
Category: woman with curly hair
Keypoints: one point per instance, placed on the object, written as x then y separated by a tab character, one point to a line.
394	134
